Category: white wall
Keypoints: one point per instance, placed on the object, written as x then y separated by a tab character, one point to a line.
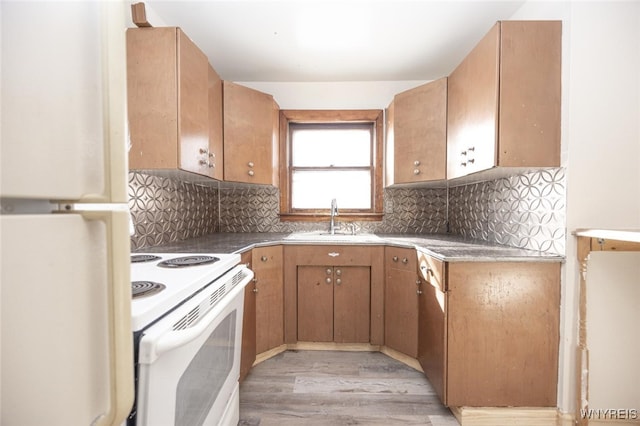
600	137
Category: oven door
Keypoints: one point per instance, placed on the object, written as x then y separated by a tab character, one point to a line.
189	361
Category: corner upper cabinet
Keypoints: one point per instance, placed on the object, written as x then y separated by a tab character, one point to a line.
251	129
419	134
504	100
169	102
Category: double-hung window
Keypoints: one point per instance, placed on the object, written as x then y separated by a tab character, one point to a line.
332	155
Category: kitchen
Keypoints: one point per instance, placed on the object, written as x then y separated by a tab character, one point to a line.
596	119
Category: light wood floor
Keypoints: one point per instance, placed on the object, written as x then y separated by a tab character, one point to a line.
338	388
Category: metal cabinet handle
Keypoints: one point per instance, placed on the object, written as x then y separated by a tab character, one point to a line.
395	258
264	258
250	164
418	282
255	290
338	272
416	172
416	163
419	292
251	173
329	271
328	280
405	260
338	281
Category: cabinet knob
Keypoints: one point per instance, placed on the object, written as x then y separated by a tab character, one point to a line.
395	258
328	280
416	163
251	173
329	271
463	164
416	172
264	258
204	151
250	164
338	281
419	292
255	290
405	260
418	282
471	148
338	272
471	160
203	162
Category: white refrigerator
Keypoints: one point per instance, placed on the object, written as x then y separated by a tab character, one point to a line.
66	352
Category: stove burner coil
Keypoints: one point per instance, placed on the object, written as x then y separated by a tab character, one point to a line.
145	288
184	261
140	258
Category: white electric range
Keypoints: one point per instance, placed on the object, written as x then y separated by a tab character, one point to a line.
187	312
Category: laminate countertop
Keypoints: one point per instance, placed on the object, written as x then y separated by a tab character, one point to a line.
444	247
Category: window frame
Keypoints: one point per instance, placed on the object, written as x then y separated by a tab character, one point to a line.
331	117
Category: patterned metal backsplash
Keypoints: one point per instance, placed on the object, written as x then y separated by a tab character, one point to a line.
165	210
523	211
526	211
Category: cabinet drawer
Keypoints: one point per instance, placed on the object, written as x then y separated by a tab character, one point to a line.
431	270
400	258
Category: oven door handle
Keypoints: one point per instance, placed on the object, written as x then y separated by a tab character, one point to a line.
176	338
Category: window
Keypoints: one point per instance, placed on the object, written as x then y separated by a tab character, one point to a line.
331	154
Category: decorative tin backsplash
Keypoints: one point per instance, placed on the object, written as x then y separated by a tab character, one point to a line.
525	211
165	210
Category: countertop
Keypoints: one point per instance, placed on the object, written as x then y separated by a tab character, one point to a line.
444	247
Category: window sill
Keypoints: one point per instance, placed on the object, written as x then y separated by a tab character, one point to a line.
342	217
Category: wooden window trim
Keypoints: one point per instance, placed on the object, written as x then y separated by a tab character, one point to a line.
330	116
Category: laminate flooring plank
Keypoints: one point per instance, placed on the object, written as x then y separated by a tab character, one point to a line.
338	388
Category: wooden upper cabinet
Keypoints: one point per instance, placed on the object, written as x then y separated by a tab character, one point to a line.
504	100
250	135
216	158
419	130
168	101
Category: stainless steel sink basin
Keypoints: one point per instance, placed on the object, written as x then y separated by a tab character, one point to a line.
323	236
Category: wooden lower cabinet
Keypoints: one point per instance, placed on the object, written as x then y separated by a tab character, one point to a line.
334	293
489	333
248	351
334	303
267	267
401	300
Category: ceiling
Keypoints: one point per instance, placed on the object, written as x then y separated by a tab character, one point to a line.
320	41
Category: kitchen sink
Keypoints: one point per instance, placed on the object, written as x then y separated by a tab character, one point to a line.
323	236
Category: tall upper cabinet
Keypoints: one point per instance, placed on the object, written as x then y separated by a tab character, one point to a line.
172	101
417	129
251	130
504	100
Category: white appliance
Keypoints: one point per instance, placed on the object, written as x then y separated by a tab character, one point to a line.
187	319
66	349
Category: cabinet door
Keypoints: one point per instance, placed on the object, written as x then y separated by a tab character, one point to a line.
267	267
215	160
315	303
152	64
249	143
420	133
432	337
472	111
193	106
401	301
352	304
248	352
432	323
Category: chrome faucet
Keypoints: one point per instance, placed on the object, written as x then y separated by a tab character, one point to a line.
334	212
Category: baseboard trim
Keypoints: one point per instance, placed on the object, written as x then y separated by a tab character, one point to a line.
505	416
